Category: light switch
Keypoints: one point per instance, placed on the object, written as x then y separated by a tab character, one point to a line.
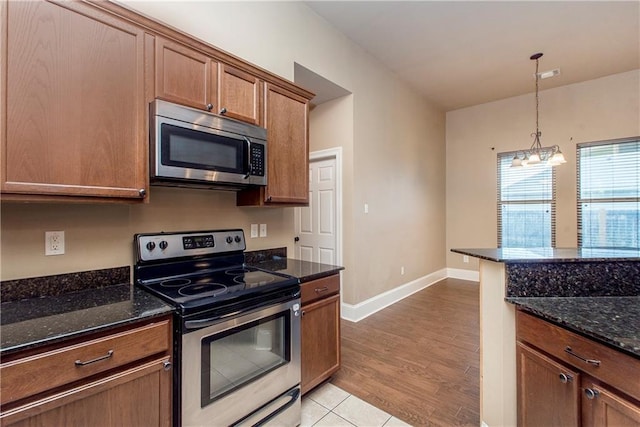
254	231
263	230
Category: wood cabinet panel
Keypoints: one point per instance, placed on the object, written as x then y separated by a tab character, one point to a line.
140	396
74	102
319	288
605	408
287	122
548	392
239	94
320	341
185	76
32	375
615	367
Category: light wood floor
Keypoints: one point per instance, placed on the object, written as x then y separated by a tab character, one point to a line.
418	359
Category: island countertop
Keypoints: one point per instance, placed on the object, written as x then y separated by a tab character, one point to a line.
614	321
550	255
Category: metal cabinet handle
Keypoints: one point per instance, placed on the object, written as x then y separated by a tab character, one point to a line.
223	111
166	365
590	361
142	192
323	289
303	313
565	378
209	107
97	359
591	393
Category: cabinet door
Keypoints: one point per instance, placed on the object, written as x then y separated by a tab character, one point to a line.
287	121
548	392
185	76
602	407
140	396
239	94
74	122
320	340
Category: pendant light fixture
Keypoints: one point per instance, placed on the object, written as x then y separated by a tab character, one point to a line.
537	154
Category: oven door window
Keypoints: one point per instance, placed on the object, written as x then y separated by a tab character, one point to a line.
192	149
234	358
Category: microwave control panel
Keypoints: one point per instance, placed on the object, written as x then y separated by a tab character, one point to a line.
257	159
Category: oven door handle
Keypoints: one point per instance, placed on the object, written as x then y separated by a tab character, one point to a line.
256	419
203	323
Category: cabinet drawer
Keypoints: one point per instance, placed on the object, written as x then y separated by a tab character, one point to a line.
320	288
615	368
35	374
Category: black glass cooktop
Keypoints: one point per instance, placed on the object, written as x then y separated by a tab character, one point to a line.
215	287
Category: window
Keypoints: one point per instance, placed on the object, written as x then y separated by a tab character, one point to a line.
609	194
526	205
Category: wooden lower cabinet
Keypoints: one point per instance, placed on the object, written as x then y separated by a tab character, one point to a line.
320	331
140	396
548	392
118	379
565	379
606	408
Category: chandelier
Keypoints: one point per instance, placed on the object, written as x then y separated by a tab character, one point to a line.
551	156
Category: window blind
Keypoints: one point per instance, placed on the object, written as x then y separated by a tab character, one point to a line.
526	204
609	194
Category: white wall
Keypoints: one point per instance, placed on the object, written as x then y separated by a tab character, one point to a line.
600	109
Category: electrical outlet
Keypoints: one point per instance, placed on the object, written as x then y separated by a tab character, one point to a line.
263	230
465	258
254	231
402	271
54	243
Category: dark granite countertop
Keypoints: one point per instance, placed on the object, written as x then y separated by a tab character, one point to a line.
33	322
614	321
549	255
303	270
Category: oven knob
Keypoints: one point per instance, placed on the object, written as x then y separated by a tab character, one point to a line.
238	239
229	239
151	246
163	245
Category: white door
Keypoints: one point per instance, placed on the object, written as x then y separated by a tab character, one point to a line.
315	226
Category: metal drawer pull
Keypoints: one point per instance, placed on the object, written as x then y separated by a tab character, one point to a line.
591	393
590	361
97	359
323	289
565	378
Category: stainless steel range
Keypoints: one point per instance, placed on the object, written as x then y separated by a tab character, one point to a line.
237	329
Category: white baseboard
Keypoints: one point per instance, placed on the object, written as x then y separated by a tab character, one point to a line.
458	273
357	312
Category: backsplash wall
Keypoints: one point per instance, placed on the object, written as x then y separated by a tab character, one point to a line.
100	236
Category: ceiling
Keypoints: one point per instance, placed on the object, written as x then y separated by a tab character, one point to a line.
463	53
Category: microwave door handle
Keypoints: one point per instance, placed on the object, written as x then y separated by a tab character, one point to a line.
247	158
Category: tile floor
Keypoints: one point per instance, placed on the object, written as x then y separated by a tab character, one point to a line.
330	406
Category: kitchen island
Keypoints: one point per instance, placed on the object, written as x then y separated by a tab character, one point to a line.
510	276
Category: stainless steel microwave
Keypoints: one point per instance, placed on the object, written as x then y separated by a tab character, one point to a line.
194	148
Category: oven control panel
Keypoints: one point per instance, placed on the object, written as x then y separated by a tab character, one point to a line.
160	246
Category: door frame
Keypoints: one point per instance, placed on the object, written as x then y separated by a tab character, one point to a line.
328	154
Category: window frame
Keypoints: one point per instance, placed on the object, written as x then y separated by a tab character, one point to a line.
500	203
579	201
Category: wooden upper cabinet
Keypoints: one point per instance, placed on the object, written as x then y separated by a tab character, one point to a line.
287	123
73	103
185	76
239	94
